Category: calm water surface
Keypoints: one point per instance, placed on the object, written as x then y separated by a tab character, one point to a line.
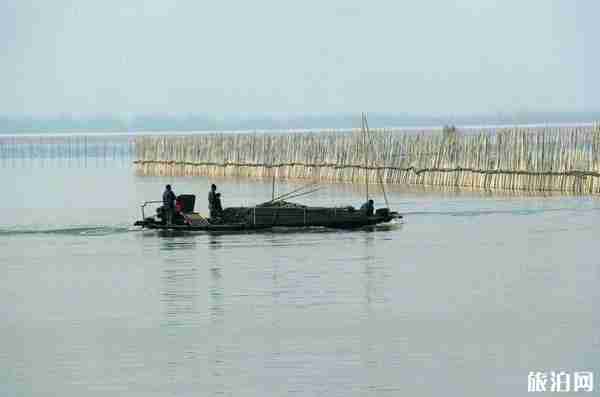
464	298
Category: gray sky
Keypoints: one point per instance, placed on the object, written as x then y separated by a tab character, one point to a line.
420	57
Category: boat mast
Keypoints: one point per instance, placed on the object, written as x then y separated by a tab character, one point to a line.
366	149
272	169
273	186
366	132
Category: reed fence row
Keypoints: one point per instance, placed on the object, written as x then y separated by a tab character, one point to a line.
65	147
529	159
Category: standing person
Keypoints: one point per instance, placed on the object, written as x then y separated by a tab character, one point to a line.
169	204
368	208
214	202
218	203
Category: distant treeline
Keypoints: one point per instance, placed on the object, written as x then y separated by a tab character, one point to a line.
225	122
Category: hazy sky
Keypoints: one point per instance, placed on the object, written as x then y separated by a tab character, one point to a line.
420	57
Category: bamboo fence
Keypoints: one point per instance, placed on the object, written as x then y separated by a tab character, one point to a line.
528	159
15	149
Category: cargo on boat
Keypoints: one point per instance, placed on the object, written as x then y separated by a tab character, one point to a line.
263	216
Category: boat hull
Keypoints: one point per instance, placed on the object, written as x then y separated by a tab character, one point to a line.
230	227
266	217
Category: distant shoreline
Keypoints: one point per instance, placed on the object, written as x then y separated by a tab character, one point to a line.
474	127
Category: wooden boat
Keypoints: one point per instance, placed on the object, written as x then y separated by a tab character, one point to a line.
274	213
264	216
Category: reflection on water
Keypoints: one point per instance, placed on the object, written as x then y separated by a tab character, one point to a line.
215	241
368	354
216	268
217	315
369	265
179	297
194	329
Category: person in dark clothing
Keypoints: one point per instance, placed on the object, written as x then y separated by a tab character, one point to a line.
368	208
169	204
214	202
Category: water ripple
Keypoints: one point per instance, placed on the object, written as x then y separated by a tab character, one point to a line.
66	230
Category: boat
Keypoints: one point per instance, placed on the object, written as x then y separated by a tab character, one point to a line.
278	212
275	213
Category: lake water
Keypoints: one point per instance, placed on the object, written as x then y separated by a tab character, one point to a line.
464	298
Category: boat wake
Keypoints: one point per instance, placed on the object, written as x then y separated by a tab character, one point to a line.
79	230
